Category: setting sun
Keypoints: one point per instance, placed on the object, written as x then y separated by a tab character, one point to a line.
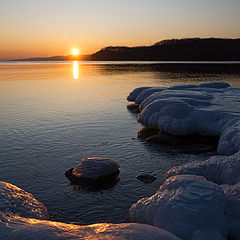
75	52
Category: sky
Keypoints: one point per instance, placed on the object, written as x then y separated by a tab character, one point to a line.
31	28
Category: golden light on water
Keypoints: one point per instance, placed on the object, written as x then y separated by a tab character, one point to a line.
75	70
75	52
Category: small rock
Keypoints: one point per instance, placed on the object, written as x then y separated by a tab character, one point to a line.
195	149
146	178
94	171
133	107
147	132
163	139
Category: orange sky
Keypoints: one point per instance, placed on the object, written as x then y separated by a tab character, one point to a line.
53	27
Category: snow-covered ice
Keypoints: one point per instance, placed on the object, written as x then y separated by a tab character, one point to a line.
16	228
95	167
209	109
189	206
14	200
223	170
21	217
218	169
232	209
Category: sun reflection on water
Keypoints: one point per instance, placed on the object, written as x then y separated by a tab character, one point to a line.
75	70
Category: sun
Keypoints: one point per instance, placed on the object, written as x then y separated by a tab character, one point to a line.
75	52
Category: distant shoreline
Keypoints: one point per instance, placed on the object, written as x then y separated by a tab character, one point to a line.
119	62
189	49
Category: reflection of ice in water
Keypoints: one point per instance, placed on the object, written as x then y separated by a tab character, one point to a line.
75	70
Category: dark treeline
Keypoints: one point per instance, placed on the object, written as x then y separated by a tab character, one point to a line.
190	49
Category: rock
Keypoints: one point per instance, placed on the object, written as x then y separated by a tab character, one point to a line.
133	108
146	178
164	139
94	171
184	144
194	149
147	132
95	167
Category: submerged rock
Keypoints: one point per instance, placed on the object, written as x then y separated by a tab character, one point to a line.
93	171
147	132
134	108
195	149
184	144
188	206
146	178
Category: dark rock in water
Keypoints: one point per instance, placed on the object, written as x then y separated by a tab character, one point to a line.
147	132
146	178
133	107
185	144
93	173
92	184
210	140
164	139
96	185
194	148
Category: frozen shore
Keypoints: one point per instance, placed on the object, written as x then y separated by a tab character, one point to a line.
199	200
207	109
24	217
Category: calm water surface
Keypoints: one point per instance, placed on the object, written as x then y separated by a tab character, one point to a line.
54	114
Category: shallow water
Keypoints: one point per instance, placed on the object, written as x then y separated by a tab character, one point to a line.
54	114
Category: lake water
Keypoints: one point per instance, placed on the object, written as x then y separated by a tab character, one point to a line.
54	114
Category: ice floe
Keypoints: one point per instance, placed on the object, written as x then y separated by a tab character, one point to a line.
209	109
188	206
